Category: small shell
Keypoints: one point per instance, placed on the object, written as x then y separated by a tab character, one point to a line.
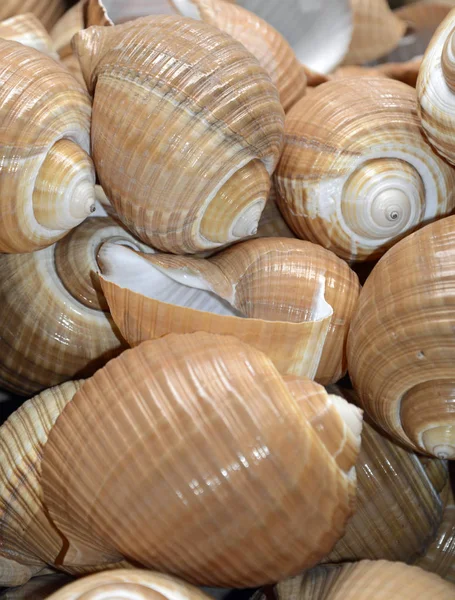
200	438
53	324
47	11
129	585
46	176
436	89
207	183
377	31
290	299
405	378
357	173
27	30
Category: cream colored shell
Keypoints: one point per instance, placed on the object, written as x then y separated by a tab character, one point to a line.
27	30
188	166
47	11
357	172
199	436
401	347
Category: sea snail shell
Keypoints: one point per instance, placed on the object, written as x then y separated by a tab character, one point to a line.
256	473
46	176
436	89
27	30
357	173
54	323
188	166
401	347
292	300
47	11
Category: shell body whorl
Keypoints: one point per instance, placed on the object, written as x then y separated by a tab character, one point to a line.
179	156
401	346
46	176
357	176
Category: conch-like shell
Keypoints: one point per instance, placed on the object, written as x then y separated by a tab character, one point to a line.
200	438
366	580
47	11
54	323
46	176
29	538
290	299
398	508
27	30
436	89
38	588
401	345
130	585
187	167
357	172
377	31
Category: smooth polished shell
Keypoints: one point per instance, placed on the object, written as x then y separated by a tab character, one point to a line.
54	323
436	89
199	436
401	346
27	30
290	299
357	172
187	167
47	11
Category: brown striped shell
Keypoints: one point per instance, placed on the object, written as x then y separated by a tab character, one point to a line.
200	437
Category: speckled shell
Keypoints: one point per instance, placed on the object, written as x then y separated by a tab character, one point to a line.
131	585
357	172
54	323
367	580
27	30
377	31
188	166
47	11
290	299
401	347
436	89
199	436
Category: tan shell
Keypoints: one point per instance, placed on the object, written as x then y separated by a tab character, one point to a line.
131	585
206	184
436	89
405	378
27	30
53	324
357	173
366	580
73	21
377	31
290	299
47	11
46	176
38	588
203	429
423	15
407	72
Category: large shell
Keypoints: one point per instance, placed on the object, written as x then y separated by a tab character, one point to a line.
200	438
436	89
27	30
401	347
130	585
366	580
377	31
188	166
54	323
290	299
47	11
46	176
357	172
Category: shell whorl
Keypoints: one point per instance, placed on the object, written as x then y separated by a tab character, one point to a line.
46	176
221	147
356	177
436	89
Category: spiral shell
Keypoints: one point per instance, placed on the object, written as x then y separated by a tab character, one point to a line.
401	347
357	173
188	166
129	585
436	89
290	299
27	30
54	323
199	436
47	11
46	176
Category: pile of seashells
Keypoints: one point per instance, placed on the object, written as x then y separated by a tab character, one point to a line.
191	194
